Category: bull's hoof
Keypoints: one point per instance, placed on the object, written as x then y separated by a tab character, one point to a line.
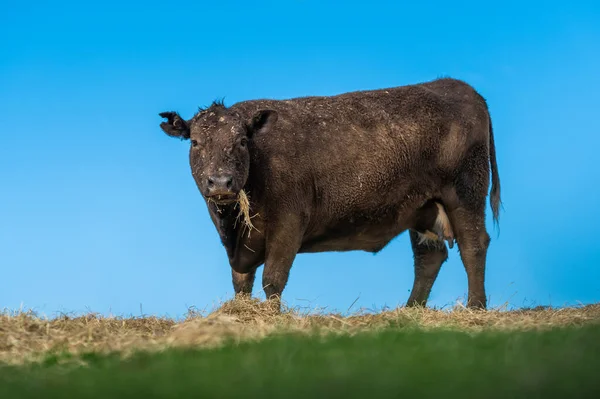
273	305
477	304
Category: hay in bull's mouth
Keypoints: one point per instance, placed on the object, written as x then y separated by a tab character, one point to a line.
244	204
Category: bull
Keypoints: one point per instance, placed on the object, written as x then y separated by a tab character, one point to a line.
348	172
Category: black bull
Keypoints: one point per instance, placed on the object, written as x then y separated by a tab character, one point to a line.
349	172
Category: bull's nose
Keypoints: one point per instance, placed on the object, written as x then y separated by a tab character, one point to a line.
220	184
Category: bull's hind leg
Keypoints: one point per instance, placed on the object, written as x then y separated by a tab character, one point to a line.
473	241
428	257
467	216
243	283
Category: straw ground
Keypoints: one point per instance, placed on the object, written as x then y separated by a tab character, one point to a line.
25	336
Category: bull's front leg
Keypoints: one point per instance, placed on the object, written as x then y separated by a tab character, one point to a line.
283	240
243	283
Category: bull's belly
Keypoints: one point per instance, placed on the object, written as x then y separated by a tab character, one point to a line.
344	245
372	239
367	230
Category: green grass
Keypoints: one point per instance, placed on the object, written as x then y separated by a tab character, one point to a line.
559	363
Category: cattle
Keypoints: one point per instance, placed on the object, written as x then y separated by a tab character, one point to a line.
348	172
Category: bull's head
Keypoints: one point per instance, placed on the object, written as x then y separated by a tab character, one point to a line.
219	147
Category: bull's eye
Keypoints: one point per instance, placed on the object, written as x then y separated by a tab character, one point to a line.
243	142
194	143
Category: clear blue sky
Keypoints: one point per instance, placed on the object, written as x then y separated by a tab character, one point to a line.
98	209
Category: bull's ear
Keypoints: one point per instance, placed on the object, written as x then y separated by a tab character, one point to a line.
175	126
262	122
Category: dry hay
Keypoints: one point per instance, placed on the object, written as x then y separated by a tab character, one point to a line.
26	337
244	204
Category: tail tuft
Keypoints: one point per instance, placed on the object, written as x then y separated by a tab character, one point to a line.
495	200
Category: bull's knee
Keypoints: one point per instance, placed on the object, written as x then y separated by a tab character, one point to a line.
479	245
485	239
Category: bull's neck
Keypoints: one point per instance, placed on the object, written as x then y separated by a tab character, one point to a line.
224	219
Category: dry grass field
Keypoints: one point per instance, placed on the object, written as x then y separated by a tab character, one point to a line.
27	337
244	349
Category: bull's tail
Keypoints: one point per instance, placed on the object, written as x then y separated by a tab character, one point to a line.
495	201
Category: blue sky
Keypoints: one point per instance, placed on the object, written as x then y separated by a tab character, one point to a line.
98	209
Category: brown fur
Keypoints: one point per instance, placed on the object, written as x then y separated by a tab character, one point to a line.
348	172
